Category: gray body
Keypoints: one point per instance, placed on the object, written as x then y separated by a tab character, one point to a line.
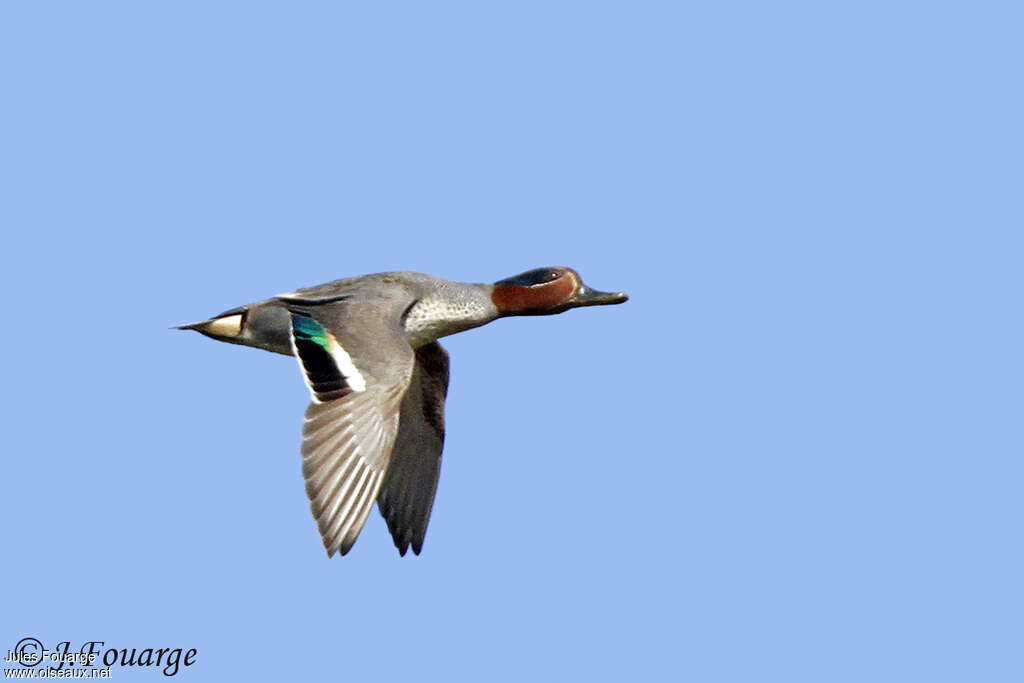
436	308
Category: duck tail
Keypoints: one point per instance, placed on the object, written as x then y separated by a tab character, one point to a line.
264	325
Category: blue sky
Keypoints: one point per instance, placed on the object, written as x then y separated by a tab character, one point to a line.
794	455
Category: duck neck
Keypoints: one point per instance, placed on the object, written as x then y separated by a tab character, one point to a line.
452	307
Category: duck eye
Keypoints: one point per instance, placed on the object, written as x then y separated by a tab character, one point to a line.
553	275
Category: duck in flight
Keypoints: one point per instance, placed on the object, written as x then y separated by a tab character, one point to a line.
367	347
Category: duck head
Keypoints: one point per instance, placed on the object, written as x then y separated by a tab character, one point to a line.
546	291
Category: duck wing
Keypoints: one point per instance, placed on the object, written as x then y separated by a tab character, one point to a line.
358	382
411	481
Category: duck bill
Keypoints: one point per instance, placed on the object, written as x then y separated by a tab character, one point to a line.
591	297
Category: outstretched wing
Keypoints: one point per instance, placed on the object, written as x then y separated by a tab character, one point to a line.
357	385
411	481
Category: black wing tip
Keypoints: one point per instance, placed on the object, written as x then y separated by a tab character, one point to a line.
402	537
405	542
403	548
401	542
